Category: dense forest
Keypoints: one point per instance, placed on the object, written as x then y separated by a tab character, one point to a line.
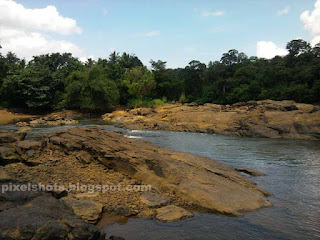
60	81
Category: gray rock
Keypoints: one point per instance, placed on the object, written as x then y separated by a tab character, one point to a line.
153	200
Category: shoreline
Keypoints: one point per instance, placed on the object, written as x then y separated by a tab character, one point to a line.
267	119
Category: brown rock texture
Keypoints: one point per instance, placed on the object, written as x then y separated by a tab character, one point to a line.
172	213
270	119
185	176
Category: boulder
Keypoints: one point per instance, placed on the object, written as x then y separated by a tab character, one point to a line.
8	155
28	145
38	215
87	210
11	136
172	213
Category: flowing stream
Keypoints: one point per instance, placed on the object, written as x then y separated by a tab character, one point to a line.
292	169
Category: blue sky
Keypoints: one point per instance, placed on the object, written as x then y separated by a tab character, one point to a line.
177	31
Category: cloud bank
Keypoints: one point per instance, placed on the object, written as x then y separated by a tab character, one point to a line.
24	31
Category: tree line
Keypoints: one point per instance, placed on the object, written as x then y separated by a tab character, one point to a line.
60	81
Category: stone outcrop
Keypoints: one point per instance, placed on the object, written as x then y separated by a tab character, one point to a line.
38	215
182	175
270	119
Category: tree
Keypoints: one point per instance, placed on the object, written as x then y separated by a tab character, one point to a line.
139	81
91	90
298	46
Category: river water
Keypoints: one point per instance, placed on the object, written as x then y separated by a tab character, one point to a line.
292	170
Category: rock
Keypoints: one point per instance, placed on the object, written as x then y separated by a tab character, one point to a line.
84	157
265	118
291	107
8	155
11	136
45	217
87	210
4	175
172	213
184	175
239	104
193	104
116	238
22	124
24	129
147	214
28	144
153	200
250	171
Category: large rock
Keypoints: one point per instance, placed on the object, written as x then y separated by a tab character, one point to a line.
270	119
11	136
198	181
172	213
38	215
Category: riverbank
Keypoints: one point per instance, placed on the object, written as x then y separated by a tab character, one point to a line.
93	156
8	117
268	118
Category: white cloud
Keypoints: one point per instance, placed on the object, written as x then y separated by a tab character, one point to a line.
315	41
22	30
149	34
48	19
311	21
269	50
282	12
29	44
212	13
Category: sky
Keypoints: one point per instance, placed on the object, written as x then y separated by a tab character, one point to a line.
175	31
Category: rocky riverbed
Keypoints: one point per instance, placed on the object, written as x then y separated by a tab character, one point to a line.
180	183
270	119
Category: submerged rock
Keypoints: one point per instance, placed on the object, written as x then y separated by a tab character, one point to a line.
172	213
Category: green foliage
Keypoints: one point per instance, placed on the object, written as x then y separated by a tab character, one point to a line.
90	90
139	81
57	81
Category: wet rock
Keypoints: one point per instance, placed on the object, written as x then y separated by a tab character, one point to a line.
11	136
172	213
24	129
250	171
153	200
87	210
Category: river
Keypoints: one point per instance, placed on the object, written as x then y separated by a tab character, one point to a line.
292	169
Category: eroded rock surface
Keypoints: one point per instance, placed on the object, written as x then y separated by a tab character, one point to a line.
172	213
38	215
270	119
182	175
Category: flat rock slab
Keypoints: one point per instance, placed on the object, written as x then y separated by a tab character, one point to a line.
172	213
11	136
198	181
250	171
153	200
87	210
